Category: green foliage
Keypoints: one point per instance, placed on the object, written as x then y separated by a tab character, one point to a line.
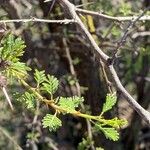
108	127
12	48
99	148
109	132
33	136
10	52
115	122
17	69
70	103
29	100
76	61
85	144
52	122
71	79
103	5
125	8
39	76
116	32
111	100
50	85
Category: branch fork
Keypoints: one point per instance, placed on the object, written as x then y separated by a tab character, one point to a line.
71	10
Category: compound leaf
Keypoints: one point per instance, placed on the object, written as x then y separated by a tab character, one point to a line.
111	100
29	100
52	122
39	76
109	132
51	85
12	48
70	103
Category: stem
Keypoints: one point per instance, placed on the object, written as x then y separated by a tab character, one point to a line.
57	108
7	97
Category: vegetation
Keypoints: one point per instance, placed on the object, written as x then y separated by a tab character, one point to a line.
51	77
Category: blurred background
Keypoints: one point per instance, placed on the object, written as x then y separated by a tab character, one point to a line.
62	51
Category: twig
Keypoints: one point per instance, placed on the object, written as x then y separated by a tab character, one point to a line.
70	8
105	76
108	83
64	21
3	83
125	35
100	15
72	70
7	97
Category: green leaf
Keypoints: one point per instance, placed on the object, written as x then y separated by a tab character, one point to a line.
85	144
52	122
51	85
17	69
99	148
33	136
39	76
29	100
70	103
10	52
71	79
12	48
125	8
109	132
76	61
115	122
116	32
111	100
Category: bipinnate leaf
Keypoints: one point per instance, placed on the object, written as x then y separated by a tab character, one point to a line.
51	85
39	76
12	48
29	100
10	51
111	100
69	104
109	132
85	144
52	122
115	122
17	69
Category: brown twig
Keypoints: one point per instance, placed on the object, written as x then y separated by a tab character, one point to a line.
71	10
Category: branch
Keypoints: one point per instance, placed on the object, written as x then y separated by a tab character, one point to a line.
100	15
71	10
64	21
126	33
141	34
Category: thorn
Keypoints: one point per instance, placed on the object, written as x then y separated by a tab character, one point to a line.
7	97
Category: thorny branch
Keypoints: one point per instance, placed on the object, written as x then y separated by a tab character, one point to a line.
71	10
125	35
33	19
